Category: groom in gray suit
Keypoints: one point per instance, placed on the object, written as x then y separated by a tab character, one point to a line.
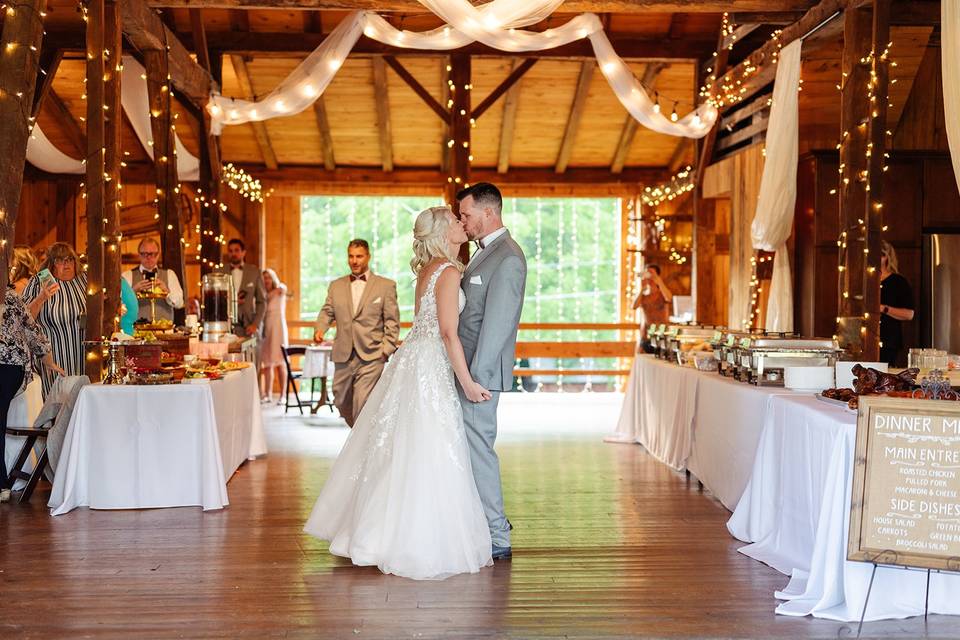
493	284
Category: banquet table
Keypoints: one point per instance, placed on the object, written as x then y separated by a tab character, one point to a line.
134	447
695	420
795	511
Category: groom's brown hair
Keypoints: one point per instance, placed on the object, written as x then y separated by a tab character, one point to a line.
484	194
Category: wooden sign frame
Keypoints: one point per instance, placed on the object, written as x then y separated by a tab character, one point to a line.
867	473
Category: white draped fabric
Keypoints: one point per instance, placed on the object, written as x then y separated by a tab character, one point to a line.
42	154
493	24
796	513
136	104
950	64
773	221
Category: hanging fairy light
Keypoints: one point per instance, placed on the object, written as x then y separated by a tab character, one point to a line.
243	183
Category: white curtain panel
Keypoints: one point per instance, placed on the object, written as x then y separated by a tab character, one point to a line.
494	24
950	64
773	221
43	155
136	104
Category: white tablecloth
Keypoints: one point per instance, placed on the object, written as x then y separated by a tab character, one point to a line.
317	362
133	447
697	420
795	513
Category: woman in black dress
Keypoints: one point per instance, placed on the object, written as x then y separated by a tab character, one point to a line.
896	307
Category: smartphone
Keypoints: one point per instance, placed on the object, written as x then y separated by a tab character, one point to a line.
45	277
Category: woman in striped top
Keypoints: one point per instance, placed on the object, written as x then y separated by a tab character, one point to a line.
63	314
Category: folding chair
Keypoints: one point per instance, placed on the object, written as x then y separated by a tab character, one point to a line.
49	430
294	375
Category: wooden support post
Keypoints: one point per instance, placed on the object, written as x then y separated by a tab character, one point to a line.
165	161
19	47
113	125
863	126
460	129
95	184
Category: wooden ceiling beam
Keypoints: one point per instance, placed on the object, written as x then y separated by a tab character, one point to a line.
576	115
49	63
630	125
626	46
326	140
508	124
766	17
679	153
146	31
259	128
571	6
382	98
515	75
54	107
418	88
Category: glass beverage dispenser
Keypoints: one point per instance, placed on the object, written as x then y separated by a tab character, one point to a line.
219	305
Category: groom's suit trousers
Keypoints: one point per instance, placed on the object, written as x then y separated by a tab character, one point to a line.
480	422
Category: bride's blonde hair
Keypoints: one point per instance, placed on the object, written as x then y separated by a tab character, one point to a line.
430	238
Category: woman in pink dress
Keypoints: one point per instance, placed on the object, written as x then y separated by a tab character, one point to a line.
274	335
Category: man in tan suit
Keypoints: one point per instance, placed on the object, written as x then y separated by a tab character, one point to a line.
364	308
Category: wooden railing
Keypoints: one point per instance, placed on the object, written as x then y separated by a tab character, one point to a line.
564	349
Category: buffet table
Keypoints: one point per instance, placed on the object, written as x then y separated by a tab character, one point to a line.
795	513
134	447
695	420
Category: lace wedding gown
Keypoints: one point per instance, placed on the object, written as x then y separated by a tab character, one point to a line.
401	494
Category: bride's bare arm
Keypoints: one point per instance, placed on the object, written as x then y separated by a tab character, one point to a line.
448	315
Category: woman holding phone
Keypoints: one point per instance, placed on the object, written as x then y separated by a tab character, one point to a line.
63	311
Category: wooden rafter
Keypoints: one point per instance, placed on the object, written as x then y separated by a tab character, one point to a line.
719	66
55	108
382	98
515	75
739	34
326	140
49	63
312	22
765	17
576	114
571	6
508	123
679	154
239	20
259	128
146	31
418	88
630	125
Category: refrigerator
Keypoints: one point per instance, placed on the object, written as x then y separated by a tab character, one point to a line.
940	293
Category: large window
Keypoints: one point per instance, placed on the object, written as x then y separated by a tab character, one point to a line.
571	245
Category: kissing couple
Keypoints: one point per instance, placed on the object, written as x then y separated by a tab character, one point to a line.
416	488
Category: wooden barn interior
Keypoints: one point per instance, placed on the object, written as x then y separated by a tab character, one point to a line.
538	124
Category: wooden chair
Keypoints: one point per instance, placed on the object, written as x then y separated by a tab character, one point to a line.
293	376
16	471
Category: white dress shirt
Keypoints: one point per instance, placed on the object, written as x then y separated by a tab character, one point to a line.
237	273
356	289
490	237
174	297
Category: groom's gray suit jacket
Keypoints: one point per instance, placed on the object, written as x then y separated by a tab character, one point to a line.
493	284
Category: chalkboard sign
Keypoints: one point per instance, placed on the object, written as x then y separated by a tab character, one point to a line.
905	507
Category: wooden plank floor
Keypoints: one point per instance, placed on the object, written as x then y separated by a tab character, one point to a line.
608	542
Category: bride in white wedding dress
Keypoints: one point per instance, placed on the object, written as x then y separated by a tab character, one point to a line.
401	494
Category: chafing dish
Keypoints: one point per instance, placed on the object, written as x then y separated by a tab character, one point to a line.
762	359
656	336
685	338
726	353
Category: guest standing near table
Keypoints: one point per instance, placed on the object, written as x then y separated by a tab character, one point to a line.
21	340
364	307
248	284
63	311
274	336
130	307
896	307
149	276
654	298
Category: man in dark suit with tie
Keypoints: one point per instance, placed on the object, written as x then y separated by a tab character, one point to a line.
364	307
